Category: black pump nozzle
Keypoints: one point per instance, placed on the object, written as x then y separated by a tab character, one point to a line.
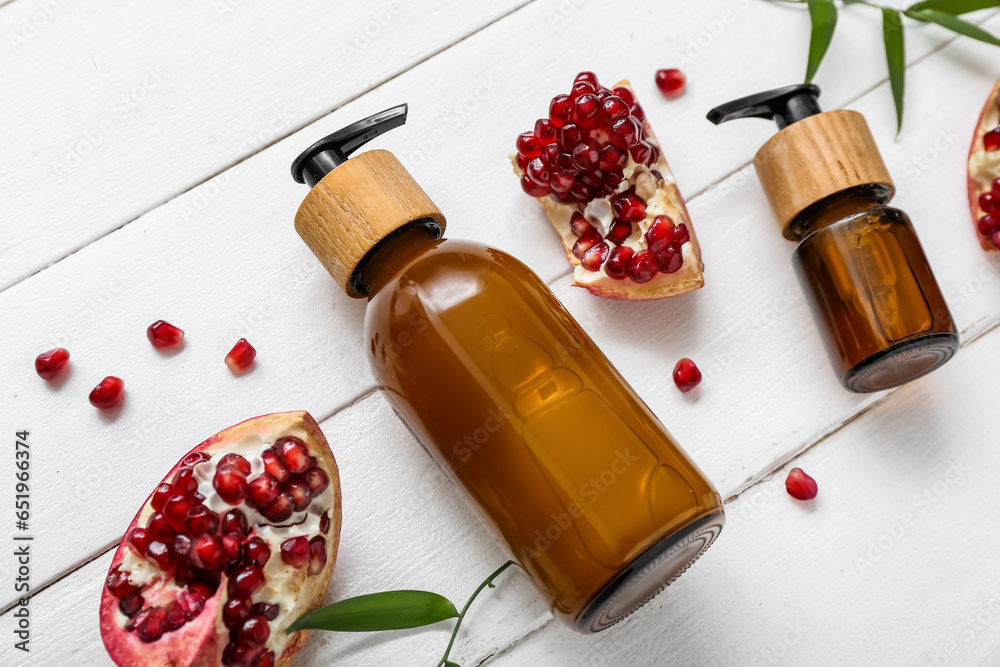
322	157
782	105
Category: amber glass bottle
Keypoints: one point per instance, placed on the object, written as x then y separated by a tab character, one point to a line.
596	500
876	303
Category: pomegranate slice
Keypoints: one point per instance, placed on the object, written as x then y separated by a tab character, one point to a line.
984	173
599	174
209	581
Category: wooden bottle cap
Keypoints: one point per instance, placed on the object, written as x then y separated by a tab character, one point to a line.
355	206
816	157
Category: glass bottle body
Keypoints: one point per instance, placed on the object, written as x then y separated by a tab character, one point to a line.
873	295
593	496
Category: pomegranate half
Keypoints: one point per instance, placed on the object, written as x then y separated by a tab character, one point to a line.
237	542
599	173
984	173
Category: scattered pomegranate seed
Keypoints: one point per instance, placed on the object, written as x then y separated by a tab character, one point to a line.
686	375
800	485
671	82
164	334
295	551
241	356
50	364
108	393
991	140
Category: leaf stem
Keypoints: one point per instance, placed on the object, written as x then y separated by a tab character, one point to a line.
461	616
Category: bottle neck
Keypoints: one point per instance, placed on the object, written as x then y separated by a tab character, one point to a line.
393	254
838	206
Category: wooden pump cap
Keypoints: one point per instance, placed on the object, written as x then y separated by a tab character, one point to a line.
355	206
816	157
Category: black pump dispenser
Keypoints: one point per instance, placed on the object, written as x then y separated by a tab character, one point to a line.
784	106
332	150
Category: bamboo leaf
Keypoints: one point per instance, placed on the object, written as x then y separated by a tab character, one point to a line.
954	24
895	57
392	610
953	7
823	15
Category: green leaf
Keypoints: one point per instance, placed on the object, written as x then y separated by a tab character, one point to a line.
823	14
895	56
953	7
392	610
954	24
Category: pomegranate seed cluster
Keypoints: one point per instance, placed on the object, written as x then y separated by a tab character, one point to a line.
579	152
196	546
989	222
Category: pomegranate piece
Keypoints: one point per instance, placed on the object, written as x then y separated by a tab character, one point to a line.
686	375
671	82
241	356
983	172
209	569
164	334
594	152
108	393
50	364
800	485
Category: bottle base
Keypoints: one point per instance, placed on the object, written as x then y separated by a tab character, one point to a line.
650	572
900	363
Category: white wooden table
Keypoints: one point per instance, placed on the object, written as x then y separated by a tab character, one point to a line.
145	152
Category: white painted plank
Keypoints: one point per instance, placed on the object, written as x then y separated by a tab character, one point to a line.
405	526
222	262
894	563
114	126
114	107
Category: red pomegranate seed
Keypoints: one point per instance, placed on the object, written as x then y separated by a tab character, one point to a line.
570	136
235	611
585	243
612	159
181	546
996	238
206	552
643	153
158	528
561	182
273	465
293	453
995	186
989	202
615	108
299	491
184	483
230	484
559	110
521	161
589	77
681	235
595	257
619	232
138	541
108	393
131	603
991	140
281	508
161	555
528	145
629	206
545	131
118	584
164	334
625	133
295	551
579	224
537	172
534	189
800	485
317	555
638	113
551	154
176	509
234	522
262	490
585	110
255	630
671	259
643	266
686	375
585	157
257	552
230	548
200	520
152	626
988	224
192	602
248	580
671	82
137	619
618	263
625	94
160	496
581	88
241	356
194	458
174	617
660	234
50	364
268	611
235	459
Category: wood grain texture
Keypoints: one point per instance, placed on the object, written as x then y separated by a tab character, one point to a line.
222	261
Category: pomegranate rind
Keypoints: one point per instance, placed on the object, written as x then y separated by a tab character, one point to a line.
200	642
980	176
690	277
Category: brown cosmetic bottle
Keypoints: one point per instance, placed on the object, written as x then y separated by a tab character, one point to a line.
873	295
595	499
